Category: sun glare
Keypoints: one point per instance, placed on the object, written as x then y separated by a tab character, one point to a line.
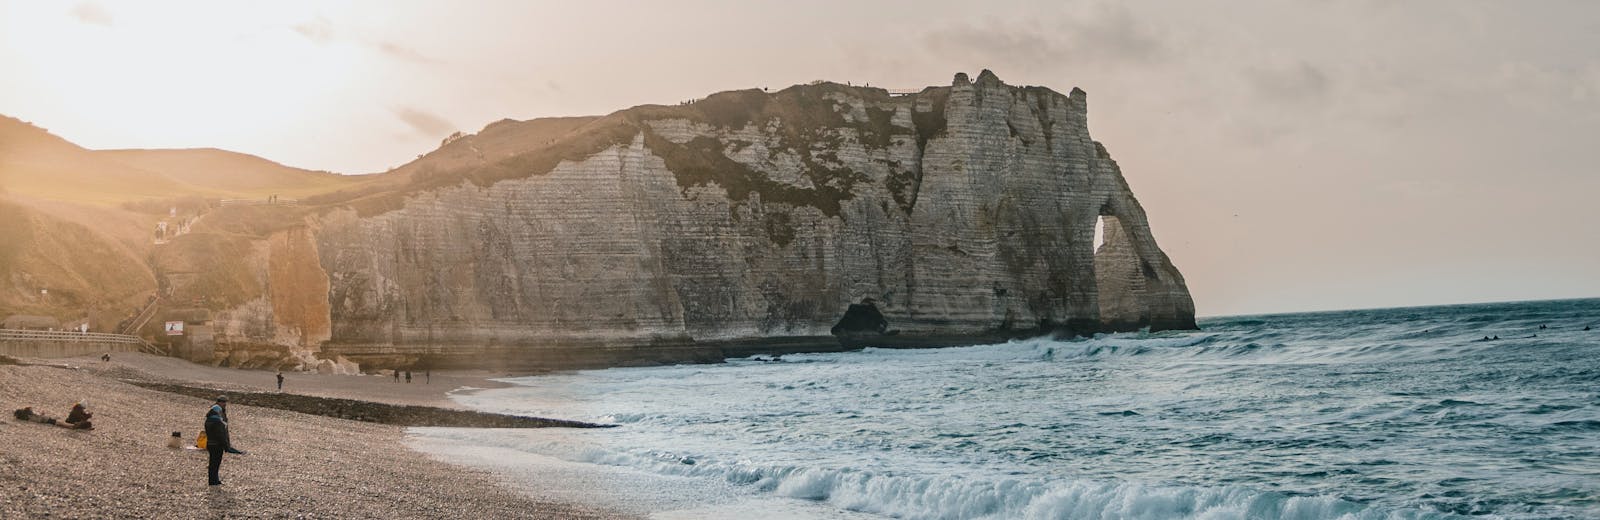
178	69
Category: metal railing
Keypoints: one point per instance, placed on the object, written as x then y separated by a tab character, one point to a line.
138	322
150	349
56	335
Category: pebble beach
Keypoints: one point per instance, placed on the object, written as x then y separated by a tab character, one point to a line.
297	465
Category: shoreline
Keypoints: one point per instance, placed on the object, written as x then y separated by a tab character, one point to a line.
297	464
424	390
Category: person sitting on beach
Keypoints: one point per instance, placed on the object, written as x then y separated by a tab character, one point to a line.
78	414
175	441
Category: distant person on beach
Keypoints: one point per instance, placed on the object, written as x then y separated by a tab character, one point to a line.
280	381
397	375
408	377
427	376
217	440
106	358
175	441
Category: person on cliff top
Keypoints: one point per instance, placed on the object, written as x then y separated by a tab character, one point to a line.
217	440
280	380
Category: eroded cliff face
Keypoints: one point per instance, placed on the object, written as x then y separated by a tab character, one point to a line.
961	213
272	292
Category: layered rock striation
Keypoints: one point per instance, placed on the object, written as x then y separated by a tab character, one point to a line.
743	222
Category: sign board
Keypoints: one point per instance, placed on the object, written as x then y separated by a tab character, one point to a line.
174	328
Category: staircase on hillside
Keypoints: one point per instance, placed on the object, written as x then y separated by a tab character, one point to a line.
139	321
144	316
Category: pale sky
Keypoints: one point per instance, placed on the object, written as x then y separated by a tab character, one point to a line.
1291	155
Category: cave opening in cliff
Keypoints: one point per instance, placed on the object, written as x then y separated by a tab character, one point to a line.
1120	277
1099	233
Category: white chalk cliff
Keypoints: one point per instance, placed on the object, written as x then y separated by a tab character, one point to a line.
744	222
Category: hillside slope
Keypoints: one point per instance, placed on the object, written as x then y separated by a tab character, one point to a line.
35	163
209	171
80	225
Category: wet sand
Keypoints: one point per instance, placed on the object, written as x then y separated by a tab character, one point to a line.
297	466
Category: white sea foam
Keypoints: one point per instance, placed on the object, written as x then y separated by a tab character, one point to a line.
942	497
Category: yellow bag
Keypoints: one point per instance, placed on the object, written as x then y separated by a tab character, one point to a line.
200	441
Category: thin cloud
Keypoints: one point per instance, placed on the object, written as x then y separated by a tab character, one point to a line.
423	122
319	31
404	53
92	13
1109	34
1297	82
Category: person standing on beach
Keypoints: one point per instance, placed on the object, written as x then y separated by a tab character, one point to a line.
217	440
397	375
408	377
280	380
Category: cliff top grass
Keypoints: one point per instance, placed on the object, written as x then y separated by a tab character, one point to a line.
807	120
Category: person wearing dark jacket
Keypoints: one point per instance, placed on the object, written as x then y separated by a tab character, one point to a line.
78	418
78	414
217	441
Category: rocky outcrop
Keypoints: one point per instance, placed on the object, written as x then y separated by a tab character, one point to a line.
273	297
963	213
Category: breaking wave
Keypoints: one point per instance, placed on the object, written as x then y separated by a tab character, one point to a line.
944	497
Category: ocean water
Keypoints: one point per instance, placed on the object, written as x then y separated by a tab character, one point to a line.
1395	413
